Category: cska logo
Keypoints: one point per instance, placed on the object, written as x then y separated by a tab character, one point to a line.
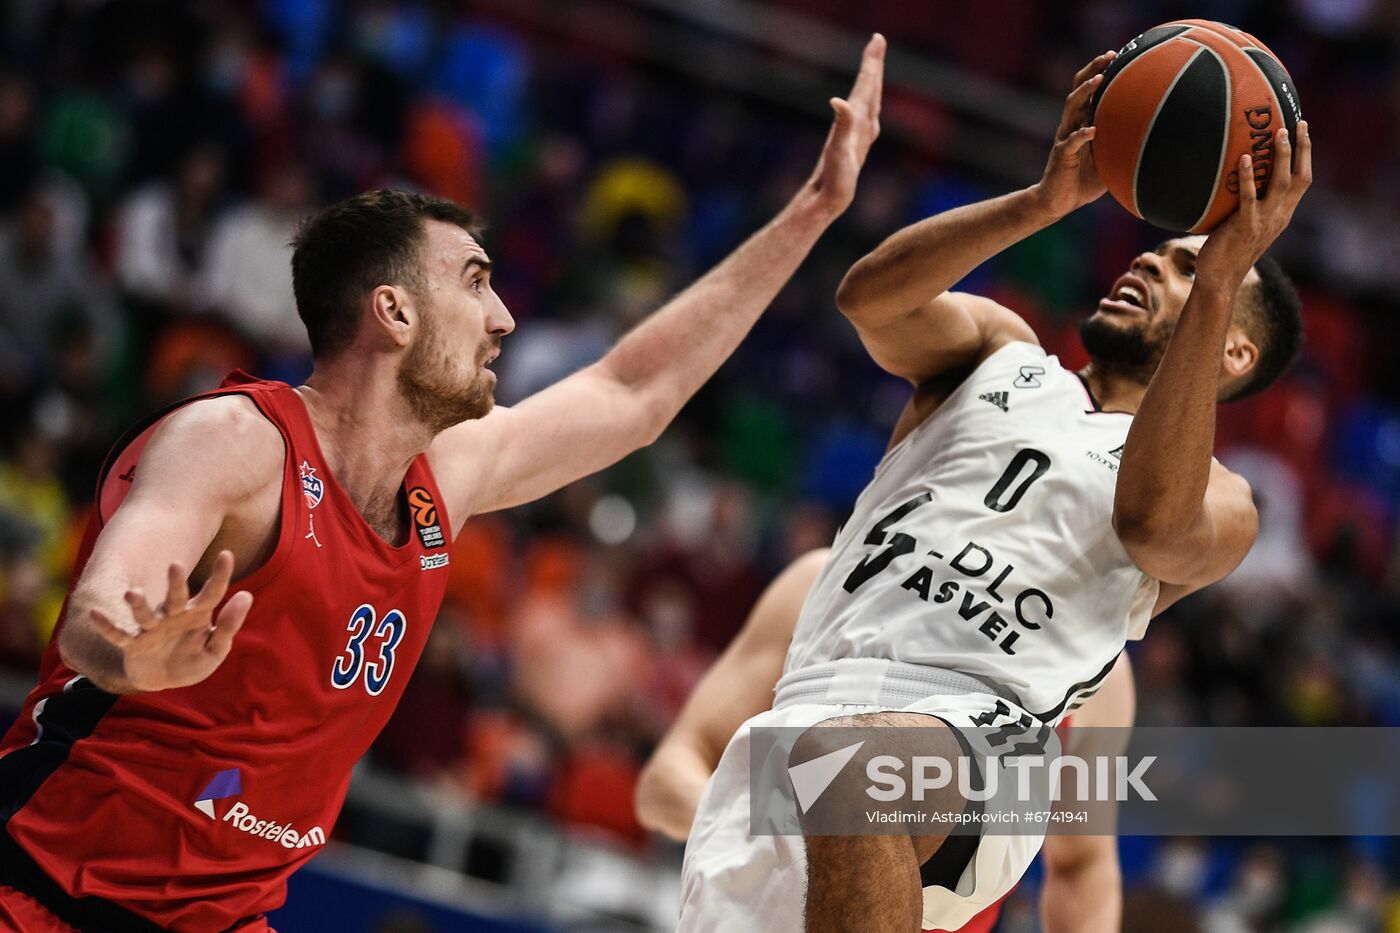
311	486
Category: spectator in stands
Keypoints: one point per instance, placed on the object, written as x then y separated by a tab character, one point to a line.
248	272
163	232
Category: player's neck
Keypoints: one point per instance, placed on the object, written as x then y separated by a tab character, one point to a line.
1114	391
365	428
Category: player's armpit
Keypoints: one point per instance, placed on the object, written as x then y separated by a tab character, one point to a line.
954	331
1212	545
200	463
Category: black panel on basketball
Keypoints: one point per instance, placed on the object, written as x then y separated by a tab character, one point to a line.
1154	36
1282	85
1180	162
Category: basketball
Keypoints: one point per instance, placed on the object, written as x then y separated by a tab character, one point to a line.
1177	109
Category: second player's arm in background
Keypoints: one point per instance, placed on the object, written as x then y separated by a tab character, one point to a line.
738	687
897	296
1182	517
1083	889
600	414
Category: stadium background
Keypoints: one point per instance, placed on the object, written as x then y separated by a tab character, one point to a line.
154	159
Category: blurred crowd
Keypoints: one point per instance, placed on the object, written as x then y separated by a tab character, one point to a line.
155	158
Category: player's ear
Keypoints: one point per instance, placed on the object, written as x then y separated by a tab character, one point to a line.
392	314
1241	354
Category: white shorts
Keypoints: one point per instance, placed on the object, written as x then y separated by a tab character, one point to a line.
735	881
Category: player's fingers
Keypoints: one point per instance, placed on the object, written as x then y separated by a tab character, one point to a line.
1077	106
1248	196
177	593
1304	168
109	629
842	119
877	94
230	620
1094	67
1078	140
1283	161
217	585
141	610
870	79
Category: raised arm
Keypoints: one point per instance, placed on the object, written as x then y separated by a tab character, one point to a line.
602	413
897	296
131	624
1184	518
738	687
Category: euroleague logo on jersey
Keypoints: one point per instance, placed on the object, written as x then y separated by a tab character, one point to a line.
311	486
425	518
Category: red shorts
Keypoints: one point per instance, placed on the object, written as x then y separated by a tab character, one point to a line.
20	913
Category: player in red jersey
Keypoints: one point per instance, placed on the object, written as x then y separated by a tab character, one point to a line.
182	755
1083	890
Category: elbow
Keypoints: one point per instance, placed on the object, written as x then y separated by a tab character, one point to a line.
848	294
654	415
1144	530
643	800
649	803
66	652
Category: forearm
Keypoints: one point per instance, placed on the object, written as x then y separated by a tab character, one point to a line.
924	260
669	789
1166	460
82	649
1084	898
666	358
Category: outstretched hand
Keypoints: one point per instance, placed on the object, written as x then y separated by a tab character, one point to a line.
853	130
1242	238
1071	180
179	642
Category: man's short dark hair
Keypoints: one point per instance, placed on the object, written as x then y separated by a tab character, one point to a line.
1273	319
341	253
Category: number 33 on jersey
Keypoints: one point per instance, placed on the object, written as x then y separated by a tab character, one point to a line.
370	650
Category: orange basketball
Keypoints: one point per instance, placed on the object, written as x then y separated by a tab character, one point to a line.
1177	108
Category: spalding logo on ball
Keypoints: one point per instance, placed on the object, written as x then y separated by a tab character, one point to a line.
1178	107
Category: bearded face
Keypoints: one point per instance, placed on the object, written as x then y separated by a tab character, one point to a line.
442	389
1125	346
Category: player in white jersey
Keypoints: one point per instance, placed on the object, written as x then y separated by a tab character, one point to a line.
1082	891
1025	522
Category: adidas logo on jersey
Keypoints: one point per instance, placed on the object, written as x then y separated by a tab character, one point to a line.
996	398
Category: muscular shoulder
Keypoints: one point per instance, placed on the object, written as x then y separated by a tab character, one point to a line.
1223	478
995	326
1231	499
224	441
999	325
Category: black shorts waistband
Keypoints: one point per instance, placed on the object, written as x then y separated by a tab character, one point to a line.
18	870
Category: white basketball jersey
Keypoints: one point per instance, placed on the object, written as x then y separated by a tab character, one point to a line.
985	544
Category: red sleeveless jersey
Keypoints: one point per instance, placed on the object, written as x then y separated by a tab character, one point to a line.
187	809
